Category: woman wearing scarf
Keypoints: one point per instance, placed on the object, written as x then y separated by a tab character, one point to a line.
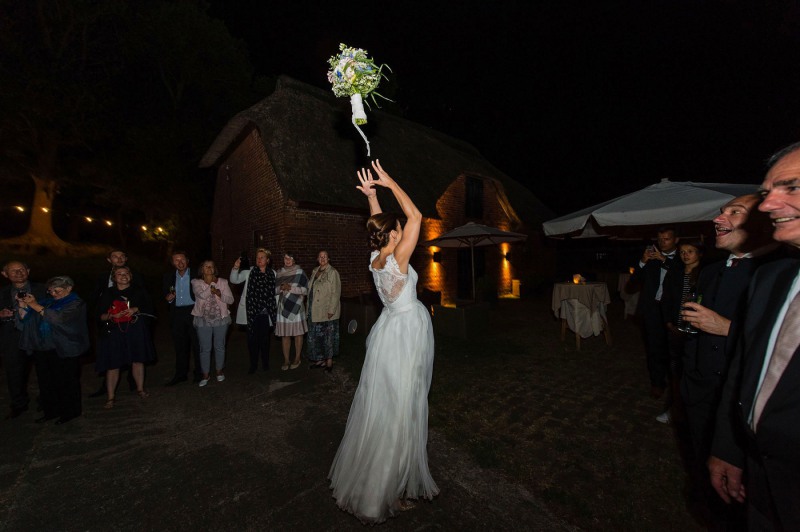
128	342
60	336
257	306
292	285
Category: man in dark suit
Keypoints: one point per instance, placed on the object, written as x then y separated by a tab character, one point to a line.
758	423
16	361
177	290
650	273
745	233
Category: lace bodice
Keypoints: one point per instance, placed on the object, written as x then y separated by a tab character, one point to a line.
394	287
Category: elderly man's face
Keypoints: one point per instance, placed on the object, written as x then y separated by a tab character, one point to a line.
16	272
781	198
731	227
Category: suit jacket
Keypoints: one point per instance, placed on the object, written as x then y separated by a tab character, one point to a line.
708	356
770	456
169	281
9	335
649	277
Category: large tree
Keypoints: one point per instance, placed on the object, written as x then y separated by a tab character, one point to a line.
57	60
120	96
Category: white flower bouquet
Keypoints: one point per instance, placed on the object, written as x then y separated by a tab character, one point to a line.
353	73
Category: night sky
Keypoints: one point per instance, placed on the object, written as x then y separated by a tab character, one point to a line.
580	101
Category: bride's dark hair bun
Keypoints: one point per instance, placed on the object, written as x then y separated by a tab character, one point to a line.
379	227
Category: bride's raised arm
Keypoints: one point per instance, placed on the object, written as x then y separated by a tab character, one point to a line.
368	188
405	247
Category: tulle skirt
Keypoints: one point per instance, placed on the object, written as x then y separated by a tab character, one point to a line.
383	455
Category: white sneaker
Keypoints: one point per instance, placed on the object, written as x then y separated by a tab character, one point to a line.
203	382
220	378
664	418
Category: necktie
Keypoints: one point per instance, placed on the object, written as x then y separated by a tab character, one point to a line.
785	346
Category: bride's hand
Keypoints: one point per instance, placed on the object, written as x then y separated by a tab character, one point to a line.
367	182
384	179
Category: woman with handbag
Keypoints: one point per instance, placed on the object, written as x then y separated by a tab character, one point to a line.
127	309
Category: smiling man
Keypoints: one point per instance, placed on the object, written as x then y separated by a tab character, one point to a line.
745	233
757	429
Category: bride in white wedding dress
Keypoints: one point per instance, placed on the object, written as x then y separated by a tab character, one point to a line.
382	460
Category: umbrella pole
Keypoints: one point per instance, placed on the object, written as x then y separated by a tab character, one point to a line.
472	255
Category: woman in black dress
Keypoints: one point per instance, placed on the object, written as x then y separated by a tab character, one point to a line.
128	342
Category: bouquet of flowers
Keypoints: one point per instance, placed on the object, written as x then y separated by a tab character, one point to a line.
353	73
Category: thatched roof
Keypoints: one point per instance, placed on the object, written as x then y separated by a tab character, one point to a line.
315	151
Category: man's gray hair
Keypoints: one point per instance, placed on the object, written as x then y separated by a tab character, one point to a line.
780	154
24	264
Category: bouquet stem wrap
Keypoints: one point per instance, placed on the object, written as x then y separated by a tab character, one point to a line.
359	116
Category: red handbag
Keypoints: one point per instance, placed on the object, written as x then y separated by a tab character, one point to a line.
116	307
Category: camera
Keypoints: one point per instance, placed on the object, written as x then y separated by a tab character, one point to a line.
21	294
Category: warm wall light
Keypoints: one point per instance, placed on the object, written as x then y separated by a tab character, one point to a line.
45	209
108	223
144	228
88	219
20	208
437	256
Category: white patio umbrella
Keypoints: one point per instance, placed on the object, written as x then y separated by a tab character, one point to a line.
472	235
667	202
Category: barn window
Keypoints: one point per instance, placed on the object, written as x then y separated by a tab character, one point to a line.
473	203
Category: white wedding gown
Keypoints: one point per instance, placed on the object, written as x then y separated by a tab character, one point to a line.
383	455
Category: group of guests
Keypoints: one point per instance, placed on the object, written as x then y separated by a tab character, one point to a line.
290	305
721	341
49	325
46	322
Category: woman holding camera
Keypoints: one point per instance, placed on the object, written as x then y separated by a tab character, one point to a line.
61	337
212	295
126	342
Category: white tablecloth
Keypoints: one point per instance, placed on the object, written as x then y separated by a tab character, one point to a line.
631	300
582	305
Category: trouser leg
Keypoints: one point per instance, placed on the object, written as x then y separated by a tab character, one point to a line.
46	371
219	346
17	367
69	387
204	336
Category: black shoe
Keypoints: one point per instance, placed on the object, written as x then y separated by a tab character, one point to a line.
318	365
175	380
63	420
44	419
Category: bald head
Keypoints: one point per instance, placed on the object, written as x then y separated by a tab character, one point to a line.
740	227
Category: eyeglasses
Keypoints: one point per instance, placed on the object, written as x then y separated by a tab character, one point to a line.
56	290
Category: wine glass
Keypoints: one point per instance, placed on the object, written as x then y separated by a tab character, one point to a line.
685	326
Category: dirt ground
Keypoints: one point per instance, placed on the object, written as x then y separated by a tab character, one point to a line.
251	453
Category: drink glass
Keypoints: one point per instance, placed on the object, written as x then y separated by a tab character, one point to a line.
685	326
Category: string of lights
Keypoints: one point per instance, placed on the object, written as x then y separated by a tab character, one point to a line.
159	230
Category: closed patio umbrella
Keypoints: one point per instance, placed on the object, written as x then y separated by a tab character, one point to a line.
472	235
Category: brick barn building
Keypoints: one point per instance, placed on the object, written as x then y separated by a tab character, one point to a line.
286	177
